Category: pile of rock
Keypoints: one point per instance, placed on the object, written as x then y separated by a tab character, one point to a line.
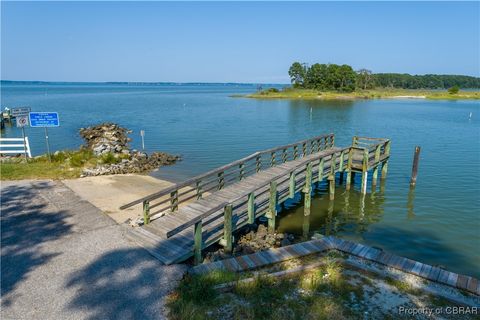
262	240
106	138
252	242
109	142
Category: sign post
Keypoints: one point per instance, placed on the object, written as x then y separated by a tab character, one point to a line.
45	120
21	119
142	134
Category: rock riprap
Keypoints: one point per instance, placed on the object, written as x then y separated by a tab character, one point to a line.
109	142
106	138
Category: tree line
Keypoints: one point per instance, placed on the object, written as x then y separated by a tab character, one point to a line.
345	78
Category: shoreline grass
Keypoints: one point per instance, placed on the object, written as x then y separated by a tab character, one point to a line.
63	165
311	94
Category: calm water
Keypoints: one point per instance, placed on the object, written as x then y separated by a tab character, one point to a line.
438	223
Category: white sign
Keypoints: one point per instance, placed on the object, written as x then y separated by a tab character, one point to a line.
22	120
20	111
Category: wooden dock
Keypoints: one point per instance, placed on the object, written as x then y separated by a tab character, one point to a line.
187	217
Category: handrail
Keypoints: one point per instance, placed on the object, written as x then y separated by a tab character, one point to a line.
245	193
190	181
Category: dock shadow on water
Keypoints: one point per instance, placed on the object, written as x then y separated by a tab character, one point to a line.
359	217
349	212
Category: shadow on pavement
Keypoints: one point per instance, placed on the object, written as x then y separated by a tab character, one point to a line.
26	224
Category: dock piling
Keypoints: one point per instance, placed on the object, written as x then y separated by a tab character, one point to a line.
307	190
198	243
416	158
272	211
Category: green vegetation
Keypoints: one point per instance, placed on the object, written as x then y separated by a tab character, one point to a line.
320	294
454	90
331	81
323	77
63	165
386	93
333	77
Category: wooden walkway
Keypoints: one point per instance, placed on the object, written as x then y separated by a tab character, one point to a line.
184	219
268	257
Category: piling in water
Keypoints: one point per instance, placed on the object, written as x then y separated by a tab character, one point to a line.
416	158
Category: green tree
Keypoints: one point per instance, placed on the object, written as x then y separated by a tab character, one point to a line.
347	78
454	89
364	79
297	73
316	77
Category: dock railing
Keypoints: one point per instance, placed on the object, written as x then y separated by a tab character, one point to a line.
368	153
245	202
169	199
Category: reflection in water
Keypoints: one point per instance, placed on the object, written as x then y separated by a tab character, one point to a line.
411	198
349	212
315	115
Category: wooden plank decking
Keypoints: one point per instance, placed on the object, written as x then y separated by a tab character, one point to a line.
200	219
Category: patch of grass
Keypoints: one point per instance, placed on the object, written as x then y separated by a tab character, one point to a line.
402	286
196	294
380	93
109	158
317	294
37	170
63	165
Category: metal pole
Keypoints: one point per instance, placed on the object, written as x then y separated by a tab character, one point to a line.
24	144
416	158
48	145
142	134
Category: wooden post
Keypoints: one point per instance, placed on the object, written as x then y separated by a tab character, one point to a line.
227	229
331	177
340	167
272	160
242	171
199	189
321	167
258	163
174	200
307	190
197	248
331	187
284	155
221	180
332	141
251	208
295	152
416	158
304	149
146	212
385	163
354	141
375	170
364	170
306	227
349	168
272	208
333	164
291	188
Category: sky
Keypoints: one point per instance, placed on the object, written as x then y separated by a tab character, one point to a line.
233	41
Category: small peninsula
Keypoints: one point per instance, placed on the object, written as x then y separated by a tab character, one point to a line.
331	81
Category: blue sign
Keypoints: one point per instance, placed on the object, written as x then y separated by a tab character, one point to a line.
44	119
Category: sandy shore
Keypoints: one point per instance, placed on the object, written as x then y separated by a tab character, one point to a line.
409	97
108	193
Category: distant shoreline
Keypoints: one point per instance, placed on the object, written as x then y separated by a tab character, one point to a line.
308	94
